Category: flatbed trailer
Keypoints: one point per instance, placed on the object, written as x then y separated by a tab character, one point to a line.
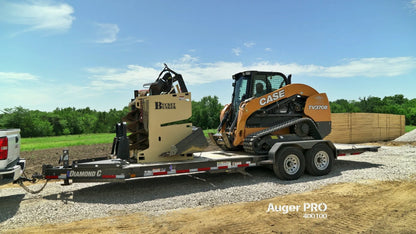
283	157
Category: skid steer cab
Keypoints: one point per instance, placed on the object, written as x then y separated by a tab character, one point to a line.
159	125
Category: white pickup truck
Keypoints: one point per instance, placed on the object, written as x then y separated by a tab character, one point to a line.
11	165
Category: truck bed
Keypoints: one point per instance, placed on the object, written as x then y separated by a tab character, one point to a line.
11	165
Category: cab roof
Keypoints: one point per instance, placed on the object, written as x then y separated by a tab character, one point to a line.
252	72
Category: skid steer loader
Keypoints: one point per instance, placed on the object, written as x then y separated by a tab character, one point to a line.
158	123
267	108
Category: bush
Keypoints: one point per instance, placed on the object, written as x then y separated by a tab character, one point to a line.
61	121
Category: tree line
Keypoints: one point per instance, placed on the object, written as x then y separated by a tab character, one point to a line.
205	114
65	121
396	104
68	121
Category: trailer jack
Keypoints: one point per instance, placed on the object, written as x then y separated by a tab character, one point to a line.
64	159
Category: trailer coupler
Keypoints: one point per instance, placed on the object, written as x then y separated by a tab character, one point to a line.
24	179
35	178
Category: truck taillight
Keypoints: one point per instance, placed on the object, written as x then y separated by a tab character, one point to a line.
3	148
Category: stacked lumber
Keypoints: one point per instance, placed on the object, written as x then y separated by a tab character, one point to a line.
365	127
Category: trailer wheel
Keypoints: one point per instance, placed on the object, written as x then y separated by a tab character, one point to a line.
289	163
319	160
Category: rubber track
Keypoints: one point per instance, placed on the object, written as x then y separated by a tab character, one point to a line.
249	141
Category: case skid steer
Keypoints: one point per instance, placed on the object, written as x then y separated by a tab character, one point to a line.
267	108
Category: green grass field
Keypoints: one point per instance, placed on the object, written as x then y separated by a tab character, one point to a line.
37	143
409	128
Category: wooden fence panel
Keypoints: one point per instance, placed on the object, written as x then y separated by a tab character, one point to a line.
365	127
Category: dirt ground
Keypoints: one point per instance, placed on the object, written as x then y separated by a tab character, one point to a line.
367	206
35	159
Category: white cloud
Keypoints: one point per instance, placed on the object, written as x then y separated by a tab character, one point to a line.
106	33
38	15
188	58
14	76
48	96
110	87
133	75
101	70
249	44
413	4
268	49
364	67
207	72
236	51
195	72
127	41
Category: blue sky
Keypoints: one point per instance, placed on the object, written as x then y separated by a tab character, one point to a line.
93	54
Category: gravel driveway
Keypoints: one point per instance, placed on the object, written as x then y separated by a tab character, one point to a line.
56	203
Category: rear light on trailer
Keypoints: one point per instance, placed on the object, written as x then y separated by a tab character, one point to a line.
3	148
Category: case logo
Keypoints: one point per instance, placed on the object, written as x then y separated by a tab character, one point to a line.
272	97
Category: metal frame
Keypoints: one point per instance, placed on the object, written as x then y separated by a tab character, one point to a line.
107	169
117	170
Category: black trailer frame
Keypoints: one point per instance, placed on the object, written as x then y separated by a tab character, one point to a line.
114	169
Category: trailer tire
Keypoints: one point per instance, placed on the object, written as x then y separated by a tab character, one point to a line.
319	160
289	163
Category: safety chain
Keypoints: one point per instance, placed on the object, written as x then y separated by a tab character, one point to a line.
22	179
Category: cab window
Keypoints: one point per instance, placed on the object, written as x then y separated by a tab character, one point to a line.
276	82
260	88
263	84
240	92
